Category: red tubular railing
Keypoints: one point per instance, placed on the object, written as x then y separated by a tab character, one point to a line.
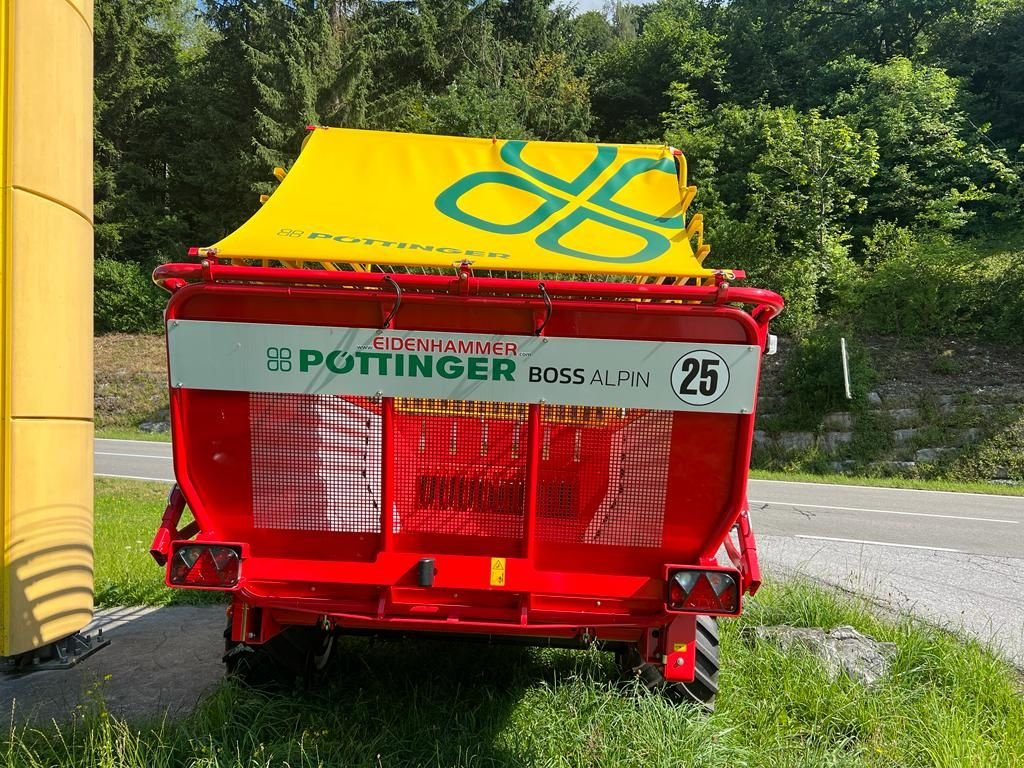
174	276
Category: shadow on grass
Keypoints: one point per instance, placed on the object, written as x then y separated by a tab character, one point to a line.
405	702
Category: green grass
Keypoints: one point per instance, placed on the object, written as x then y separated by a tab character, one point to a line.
946	702
131	433
890	482
127	515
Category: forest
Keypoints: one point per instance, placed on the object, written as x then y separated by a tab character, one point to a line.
862	157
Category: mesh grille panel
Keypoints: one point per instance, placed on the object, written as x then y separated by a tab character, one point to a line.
460	468
315	462
605	484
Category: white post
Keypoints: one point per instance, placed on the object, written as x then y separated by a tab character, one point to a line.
846	367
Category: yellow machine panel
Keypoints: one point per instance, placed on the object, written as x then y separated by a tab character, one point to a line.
53	370
51	103
45	321
614	209
48	555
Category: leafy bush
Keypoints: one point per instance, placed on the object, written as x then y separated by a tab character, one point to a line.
745	246
126	300
888	241
1001	297
927	292
938	287
813	378
999	456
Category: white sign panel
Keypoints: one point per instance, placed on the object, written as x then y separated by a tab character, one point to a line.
665	375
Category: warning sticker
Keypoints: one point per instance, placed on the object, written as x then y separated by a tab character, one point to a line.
497	571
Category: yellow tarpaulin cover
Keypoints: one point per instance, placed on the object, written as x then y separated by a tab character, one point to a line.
374	197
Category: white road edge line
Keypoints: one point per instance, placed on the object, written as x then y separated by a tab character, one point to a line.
884	488
877	543
132	455
135	477
798	505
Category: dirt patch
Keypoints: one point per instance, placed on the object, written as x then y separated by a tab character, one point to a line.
989	372
908	371
131	378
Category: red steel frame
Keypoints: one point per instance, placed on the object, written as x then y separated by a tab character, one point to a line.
616	595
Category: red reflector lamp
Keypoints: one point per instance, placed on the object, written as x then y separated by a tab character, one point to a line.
211	566
704	591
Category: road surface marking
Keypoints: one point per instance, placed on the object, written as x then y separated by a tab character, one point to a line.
133	455
797	505
136	477
887	488
877	543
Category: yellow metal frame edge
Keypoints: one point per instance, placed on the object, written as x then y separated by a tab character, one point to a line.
6	73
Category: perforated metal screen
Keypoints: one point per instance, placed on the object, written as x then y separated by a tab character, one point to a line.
605	482
460	469
316	462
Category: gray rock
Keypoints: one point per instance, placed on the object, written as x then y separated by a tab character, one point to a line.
842	466
929	454
971	435
796	441
1000	473
761	438
833	441
905	415
946	399
841	421
895	466
874	398
155	426
844	650
902	435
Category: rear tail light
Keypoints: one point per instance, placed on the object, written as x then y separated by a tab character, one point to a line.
703	591
204	565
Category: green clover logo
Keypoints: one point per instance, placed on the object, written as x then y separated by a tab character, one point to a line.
279	359
565	206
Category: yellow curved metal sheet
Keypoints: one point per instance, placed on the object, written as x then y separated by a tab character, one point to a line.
45	321
362	197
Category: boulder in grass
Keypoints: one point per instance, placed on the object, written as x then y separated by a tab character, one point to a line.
844	650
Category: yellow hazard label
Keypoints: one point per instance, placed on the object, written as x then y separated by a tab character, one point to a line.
677	647
497	571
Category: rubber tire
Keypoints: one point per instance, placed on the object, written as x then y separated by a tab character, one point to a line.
702	690
295	657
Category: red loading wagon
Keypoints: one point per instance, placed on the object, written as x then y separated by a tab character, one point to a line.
534	425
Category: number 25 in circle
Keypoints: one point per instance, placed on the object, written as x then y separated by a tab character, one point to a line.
700	377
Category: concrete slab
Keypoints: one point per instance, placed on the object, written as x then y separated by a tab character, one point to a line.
980	595
160	661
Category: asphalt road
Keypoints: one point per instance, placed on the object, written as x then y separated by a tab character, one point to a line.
956	559
135	459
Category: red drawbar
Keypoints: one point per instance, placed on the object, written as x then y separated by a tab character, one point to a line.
541	520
